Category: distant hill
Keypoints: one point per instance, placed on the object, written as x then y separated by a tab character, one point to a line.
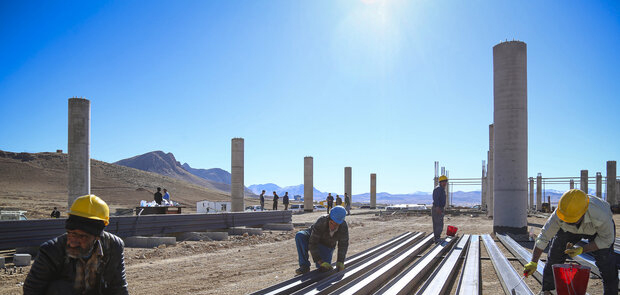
214	174
37	182
292	190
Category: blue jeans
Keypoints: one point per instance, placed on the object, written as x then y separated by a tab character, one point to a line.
301	240
437	216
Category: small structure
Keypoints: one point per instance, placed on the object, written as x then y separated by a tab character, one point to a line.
212	207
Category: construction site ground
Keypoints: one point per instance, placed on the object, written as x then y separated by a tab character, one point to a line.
244	264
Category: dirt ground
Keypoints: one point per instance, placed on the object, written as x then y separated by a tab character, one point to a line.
244	264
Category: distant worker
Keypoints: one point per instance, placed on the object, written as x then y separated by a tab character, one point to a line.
275	201
439	202
578	216
157	196
285	201
321	239
347	203
166	196
55	213
330	202
262	201
84	260
338	200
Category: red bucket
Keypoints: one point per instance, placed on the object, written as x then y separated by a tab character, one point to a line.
571	279
451	231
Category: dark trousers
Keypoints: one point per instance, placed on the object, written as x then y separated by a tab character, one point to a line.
262	206
437	215
275	205
285	206
330	205
605	261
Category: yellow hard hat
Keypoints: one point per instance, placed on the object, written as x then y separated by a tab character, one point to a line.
92	207
573	204
443	178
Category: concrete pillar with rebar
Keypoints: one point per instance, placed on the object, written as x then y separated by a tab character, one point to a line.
599	185
539	192
347	182
532	205
612	190
584	181
373	191
483	189
78	149
572	183
236	179
308	184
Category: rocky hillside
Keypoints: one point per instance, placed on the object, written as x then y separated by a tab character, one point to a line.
38	182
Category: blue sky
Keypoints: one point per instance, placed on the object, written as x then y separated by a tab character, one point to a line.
385	87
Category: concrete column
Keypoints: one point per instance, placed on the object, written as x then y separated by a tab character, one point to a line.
347	182
612	190
308	184
599	185
373	191
617	190
532	205
491	178
236	183
483	189
584	181
436	179
510	137
539	192
78	149
572	183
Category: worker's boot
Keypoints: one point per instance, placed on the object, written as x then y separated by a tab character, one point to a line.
302	270
546	293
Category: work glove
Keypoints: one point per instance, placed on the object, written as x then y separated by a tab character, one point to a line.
572	252
325	266
529	268
339	266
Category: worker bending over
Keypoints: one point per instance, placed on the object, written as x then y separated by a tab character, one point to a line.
578	216
84	260
321	239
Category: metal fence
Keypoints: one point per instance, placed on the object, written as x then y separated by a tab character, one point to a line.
28	233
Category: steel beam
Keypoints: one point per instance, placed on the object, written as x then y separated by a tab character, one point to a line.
339	279
296	283
440	280
522	254
406	282
470	282
508	277
373	279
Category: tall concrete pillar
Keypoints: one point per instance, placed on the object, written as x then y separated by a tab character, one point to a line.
436	179
347	182
532	205
584	181
572	183
236	179
308	184
510	134
599	185
491	177
612	190
483	188
373	191
539	192
78	149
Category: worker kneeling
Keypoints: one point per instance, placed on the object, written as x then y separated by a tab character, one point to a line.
321	238
84	260
577	217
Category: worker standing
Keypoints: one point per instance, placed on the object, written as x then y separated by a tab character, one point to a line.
330	202
157	196
338	200
439	202
347	203
275	200
321	239
84	260
262	201
285	200
578	216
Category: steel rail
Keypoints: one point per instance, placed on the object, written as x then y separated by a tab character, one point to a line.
28	233
508	277
406	282
522	254
374	278
341	278
296	283
441	278
470	282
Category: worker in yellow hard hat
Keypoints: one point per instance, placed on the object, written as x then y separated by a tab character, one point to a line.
439	204
578	216
84	260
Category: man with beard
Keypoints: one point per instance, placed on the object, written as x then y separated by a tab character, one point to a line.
84	260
